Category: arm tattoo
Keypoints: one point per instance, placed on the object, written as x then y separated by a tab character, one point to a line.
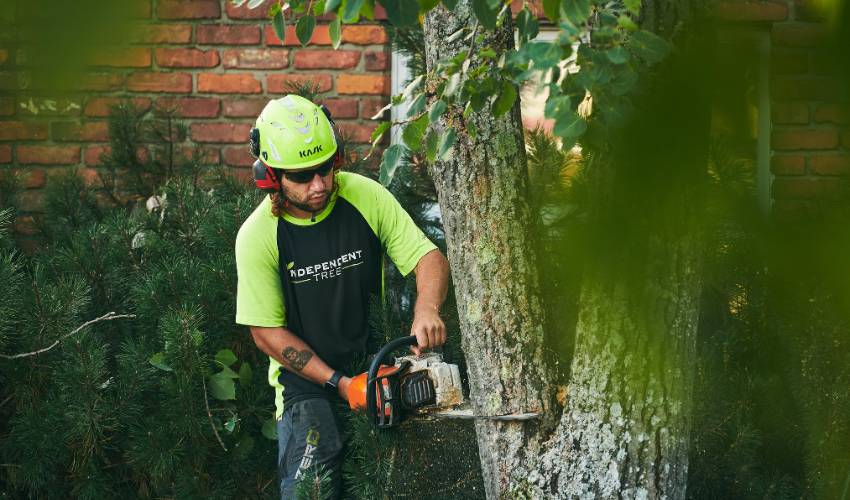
297	360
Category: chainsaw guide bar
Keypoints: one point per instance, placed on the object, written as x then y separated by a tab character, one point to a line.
465	412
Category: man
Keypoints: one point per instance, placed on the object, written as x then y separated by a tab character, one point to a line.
309	258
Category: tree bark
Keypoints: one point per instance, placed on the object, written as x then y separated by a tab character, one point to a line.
482	195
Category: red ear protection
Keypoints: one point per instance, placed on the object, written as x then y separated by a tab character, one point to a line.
265	177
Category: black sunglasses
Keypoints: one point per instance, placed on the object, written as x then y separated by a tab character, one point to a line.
305	176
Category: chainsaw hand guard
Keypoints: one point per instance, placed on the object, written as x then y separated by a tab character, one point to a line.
383	392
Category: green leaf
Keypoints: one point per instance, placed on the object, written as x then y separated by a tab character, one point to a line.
230	425
390	162
401	13
222	387
411	87
438	107
227	372
569	125
225	357
617	55
576	11
432	141
279	24
452	85
270	429
246	374
335	31
158	360
552	10
319	8
555	105
332	5
304	29
253	4
417	105
413	132
450	4
649	46
379	131
627	23
427	5
351	10
486	15
506	99
633	6
446	143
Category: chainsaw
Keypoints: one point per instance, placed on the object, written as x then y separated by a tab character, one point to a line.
413	386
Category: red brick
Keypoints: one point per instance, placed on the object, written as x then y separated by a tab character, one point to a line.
788	164
808	88
243	12
320	36
255	58
364	34
799	34
101	82
4	56
281	84
121	58
187	58
25	224
806	189
100	106
376	61
31	201
220	34
160	82
751	11
833	113
162	33
48	155
363	84
90	176
832	164
220	132
191	107
788	62
6	154
188	9
357	133
238	156
369	107
241	174
229	83
44	106
7	106
341	108
381	13
207	155
33	178
88	132
243	108
794	113
92	154
21	131
326	59
804	139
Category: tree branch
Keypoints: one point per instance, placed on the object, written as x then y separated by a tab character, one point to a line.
106	317
209	414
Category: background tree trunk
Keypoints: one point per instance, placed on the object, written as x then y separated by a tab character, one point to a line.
625	429
482	195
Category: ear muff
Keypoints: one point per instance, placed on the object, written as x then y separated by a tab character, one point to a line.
265	177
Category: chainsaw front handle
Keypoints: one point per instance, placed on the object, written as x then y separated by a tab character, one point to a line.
371	403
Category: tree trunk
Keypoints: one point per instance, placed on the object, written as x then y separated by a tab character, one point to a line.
482	195
625	429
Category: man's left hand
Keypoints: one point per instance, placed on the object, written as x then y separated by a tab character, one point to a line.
429	329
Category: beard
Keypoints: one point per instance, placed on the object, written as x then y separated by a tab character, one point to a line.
314	202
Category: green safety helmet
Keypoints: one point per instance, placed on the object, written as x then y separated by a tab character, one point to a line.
292	133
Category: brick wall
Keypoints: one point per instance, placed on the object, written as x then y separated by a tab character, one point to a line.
810	135
215	64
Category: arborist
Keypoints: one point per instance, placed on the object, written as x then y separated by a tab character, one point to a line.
309	260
